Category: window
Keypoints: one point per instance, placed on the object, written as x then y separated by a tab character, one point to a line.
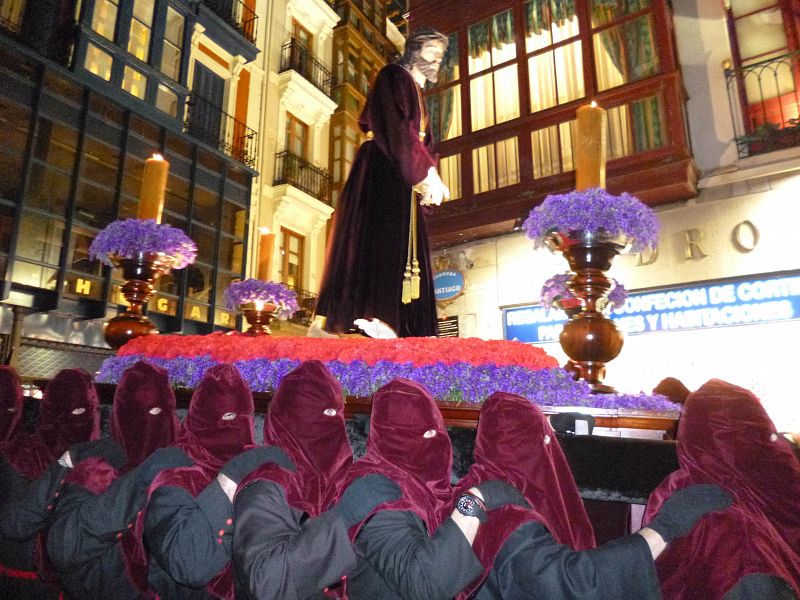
495	165
292	258
296	136
302	35
444	103
554	50
765	53
124	35
141	24
493	88
173	44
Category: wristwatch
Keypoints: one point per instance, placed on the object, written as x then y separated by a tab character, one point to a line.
472	506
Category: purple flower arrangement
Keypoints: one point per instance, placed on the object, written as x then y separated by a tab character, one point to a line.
594	210
555	293
459	382
128	237
268	292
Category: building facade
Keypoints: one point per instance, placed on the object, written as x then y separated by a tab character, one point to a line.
89	91
702	108
292	199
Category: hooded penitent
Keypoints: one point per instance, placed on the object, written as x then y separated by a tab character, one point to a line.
515	443
143	418
409	444
69	414
306	420
11	403
726	438
219	423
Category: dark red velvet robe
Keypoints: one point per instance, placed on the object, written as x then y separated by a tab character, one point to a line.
368	249
726	438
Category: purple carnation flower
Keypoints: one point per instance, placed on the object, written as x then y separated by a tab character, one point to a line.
592	210
129	237
270	292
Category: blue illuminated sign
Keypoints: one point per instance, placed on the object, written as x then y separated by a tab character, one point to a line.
720	304
447	284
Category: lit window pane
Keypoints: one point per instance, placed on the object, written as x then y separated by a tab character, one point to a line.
625	53
544	143
569	73
104	18
143	11
166	101
98	62
507	95
483	173
139	41
134	82
542	81
481	96
42	240
26	273
450	172
507	162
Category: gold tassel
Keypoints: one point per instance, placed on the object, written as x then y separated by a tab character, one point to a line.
415	280
406	295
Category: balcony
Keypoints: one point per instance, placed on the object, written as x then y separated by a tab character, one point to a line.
212	125
296	171
236	14
308	303
764	101
295	56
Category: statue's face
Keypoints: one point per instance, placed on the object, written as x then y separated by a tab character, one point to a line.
429	60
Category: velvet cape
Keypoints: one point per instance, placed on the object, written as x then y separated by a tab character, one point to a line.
726	438
409	444
515	443
71	391
368	250
306	420
12	402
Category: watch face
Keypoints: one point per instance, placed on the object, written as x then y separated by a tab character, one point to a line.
468	505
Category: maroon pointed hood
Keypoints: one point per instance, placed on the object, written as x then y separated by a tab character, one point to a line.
408	442
143	417
219	423
12	402
69	413
726	438
306	420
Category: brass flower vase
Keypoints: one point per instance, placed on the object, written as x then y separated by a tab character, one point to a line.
258	315
139	273
589	338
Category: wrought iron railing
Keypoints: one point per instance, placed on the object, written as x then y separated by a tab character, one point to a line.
238	15
296	171
765	104
210	124
307	302
294	55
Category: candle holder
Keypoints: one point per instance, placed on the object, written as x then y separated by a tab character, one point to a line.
140	272
258	315
590	227
589	338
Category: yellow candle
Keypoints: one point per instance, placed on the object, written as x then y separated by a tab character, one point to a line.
590	149
266	245
154	184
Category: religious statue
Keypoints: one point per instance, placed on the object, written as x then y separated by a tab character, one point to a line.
378	265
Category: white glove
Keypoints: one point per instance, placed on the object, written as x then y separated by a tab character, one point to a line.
432	189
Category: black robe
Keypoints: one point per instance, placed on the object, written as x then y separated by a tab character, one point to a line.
369	244
26	507
398	560
532	565
280	554
86	541
189	539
